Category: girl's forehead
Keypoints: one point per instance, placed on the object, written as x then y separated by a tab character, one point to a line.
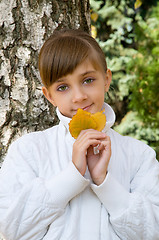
83	69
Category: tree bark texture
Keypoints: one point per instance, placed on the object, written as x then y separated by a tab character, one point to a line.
24	25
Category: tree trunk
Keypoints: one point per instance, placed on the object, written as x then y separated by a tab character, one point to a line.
24	25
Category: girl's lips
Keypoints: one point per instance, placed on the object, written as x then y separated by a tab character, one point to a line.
84	108
87	107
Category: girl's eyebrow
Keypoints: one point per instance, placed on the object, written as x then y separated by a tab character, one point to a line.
60	80
88	72
82	74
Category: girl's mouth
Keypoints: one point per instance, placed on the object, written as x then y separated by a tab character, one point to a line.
87	107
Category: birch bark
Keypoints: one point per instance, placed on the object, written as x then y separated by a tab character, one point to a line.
24	25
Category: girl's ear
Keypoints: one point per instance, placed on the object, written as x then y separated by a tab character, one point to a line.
48	96
108	79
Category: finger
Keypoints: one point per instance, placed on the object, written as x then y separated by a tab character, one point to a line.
104	145
87	143
84	144
91	133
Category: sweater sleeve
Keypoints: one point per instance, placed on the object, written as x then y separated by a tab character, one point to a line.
28	203
134	214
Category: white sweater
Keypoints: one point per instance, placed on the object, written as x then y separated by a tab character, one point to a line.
43	196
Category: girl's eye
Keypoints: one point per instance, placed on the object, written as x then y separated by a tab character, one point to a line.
88	80
62	88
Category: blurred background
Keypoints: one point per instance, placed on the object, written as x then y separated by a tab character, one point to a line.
128	33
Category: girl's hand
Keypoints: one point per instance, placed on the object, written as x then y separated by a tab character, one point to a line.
85	140
98	163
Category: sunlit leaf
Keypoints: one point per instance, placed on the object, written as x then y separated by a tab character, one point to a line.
138	4
94	16
84	120
93	31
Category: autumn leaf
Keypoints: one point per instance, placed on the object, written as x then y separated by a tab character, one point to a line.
84	120
93	31
94	16
137	4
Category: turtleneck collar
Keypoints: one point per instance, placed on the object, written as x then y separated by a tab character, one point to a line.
110	117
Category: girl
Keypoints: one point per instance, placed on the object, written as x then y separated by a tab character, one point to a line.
53	187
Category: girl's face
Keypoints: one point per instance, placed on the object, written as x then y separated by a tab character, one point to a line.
84	88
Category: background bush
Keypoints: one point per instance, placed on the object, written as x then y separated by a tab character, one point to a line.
128	32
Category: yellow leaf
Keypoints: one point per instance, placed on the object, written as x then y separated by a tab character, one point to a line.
93	31
84	120
100	119
94	16
137	4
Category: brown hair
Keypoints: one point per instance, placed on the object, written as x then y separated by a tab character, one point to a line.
64	50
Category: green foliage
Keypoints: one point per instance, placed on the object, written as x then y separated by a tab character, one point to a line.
145	66
95	5
114	34
131	125
129	38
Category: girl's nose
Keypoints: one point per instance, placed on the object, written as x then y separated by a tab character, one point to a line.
79	95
